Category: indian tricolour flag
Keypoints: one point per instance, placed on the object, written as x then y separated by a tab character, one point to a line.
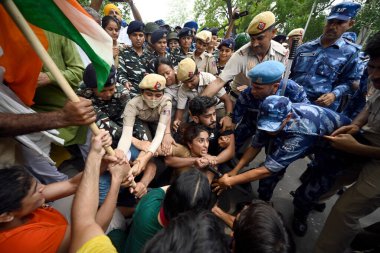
64	17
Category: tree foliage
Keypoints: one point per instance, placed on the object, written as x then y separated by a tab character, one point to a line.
290	14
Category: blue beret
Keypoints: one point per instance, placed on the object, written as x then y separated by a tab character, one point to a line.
191	24
90	80
135	26
185	32
160	22
266	72
344	11
157	35
351	36
273	112
230	43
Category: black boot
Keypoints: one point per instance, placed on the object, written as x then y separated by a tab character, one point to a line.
299	223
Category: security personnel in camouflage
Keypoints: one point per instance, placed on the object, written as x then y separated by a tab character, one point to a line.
108	104
133	60
325	67
185	40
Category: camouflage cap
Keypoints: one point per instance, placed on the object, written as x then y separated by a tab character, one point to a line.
261	23
296	32
273	112
186	69
153	82
204	36
267	72
151	27
344	11
172	36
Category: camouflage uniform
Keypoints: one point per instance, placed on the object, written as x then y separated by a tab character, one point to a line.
246	110
152	58
323	70
108	113
132	68
177	55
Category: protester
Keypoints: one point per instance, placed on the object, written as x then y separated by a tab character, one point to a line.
190	232
112	26
190	191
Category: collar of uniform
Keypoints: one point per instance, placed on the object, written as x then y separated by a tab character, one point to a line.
338	43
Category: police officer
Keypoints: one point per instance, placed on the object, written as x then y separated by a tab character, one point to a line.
173	41
153	107
288	132
295	34
265	81
108	103
149	28
133	60
193	83
261	48
185	40
326	66
205	62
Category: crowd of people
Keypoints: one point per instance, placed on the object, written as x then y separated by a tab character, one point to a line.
186	113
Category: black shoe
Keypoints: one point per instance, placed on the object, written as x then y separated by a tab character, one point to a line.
299	226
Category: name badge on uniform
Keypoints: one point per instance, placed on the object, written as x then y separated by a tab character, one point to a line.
308	54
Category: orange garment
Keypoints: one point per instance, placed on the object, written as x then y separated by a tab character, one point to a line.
44	232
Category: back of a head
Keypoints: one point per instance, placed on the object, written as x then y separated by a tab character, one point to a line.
260	229
190	232
373	46
15	183
190	191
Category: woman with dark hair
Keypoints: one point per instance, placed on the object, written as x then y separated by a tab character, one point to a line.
164	67
190	232
258	228
112	27
190	191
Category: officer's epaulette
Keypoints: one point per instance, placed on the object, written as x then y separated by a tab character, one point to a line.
278	48
357	46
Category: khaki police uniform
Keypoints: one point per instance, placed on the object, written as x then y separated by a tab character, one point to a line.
185	95
244	60
205	62
359	200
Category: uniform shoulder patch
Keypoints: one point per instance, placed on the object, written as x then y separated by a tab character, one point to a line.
278	48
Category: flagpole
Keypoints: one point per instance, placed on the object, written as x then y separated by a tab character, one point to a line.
21	23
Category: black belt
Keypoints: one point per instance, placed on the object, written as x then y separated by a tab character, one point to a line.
234	94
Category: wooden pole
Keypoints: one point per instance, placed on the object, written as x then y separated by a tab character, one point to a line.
23	25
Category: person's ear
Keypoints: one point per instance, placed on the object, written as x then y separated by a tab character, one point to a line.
274	32
195	119
351	23
275	87
6	217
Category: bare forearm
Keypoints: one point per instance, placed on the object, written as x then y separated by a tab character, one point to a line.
105	212
251	175
19	124
213	88
248	156
362	118
149	174
179	162
135	11
366	150
63	189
